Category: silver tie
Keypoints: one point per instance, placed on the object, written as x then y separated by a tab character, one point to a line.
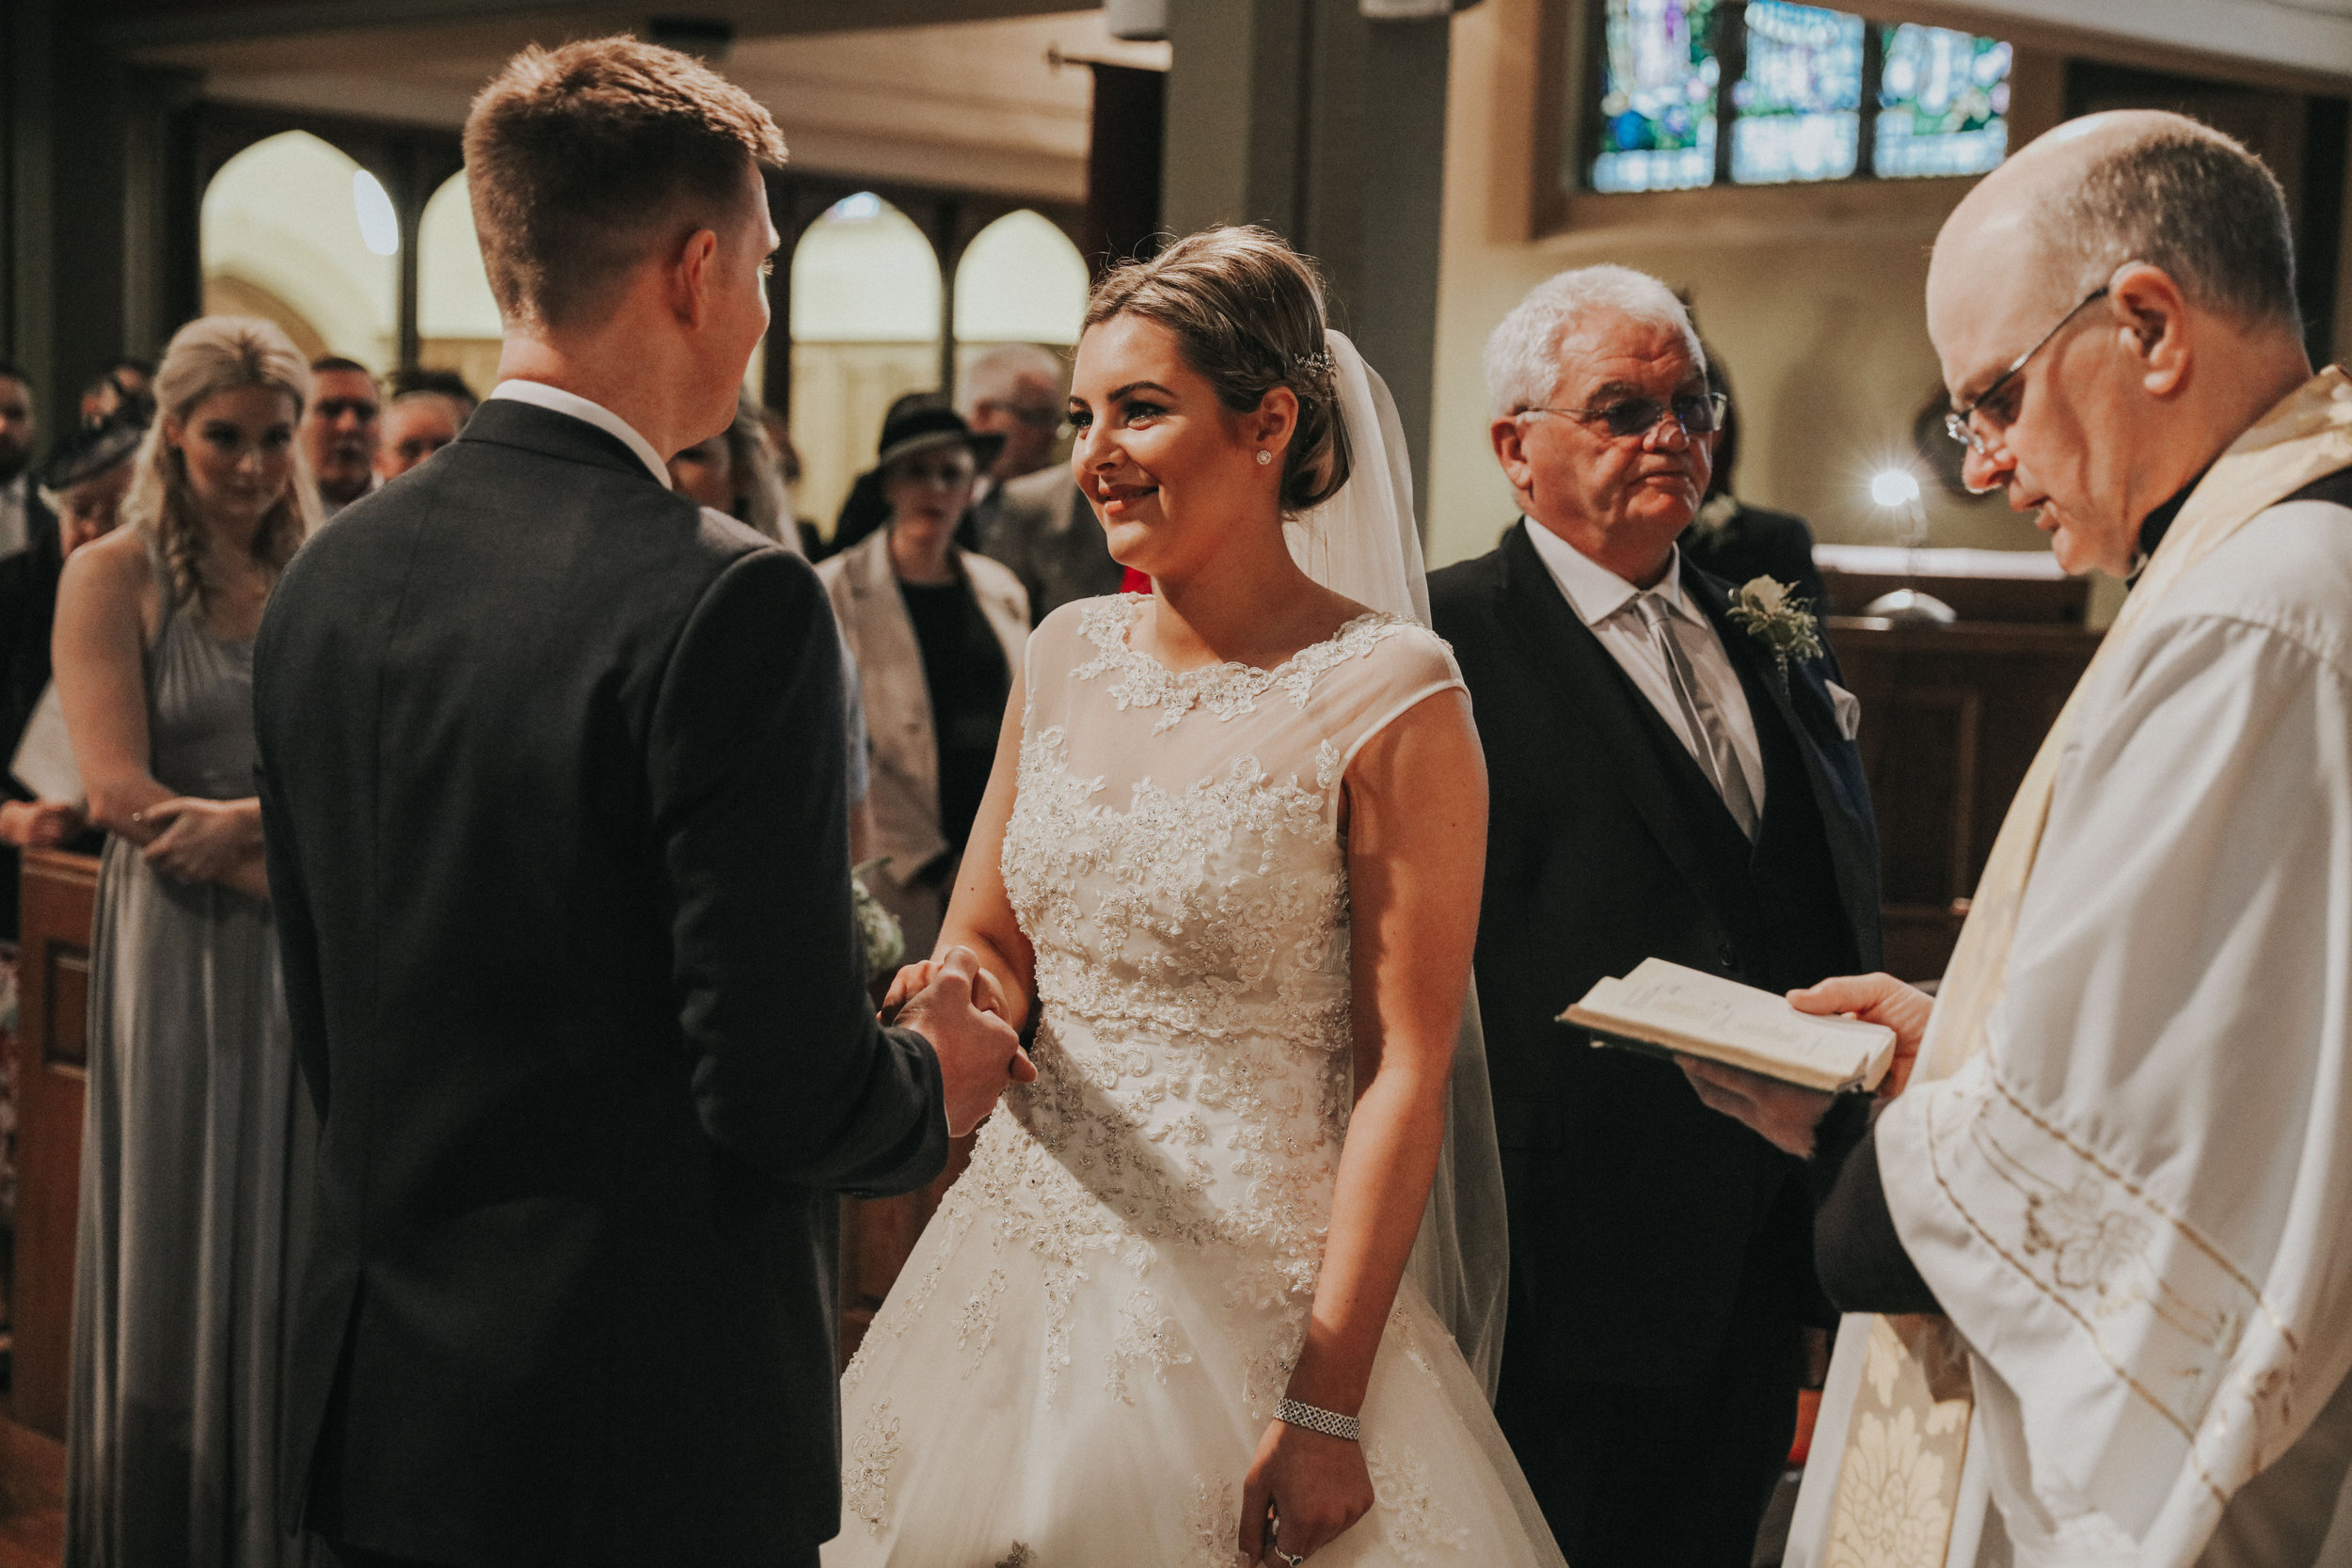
1701	716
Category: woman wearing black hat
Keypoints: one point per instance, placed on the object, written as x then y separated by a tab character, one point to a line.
938	633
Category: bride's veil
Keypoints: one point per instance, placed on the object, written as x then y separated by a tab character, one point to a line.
1364	543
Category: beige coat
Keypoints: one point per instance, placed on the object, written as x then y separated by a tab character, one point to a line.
901	742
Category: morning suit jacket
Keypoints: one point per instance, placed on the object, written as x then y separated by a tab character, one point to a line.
551	775
1634	1210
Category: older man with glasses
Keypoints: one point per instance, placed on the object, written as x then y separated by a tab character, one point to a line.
2123	1167
1662	785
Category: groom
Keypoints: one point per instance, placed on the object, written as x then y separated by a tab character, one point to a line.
1659	787
553	780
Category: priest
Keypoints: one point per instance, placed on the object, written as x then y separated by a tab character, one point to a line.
2123	1165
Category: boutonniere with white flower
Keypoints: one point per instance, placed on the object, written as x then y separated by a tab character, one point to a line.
1764	607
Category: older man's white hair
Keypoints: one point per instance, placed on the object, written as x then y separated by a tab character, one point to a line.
1523	353
996	376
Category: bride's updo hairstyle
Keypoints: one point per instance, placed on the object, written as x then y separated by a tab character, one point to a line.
1247	314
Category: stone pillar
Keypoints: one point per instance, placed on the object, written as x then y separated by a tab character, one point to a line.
1303	116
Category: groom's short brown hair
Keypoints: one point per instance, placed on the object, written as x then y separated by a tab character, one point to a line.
583	161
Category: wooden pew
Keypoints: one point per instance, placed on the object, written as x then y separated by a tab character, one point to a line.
59	902
1951	717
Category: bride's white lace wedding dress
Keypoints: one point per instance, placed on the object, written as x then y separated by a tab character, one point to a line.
1076	1366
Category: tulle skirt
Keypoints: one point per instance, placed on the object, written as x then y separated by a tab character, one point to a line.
1068	1400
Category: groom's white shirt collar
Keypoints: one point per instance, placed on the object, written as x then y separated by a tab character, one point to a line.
539	394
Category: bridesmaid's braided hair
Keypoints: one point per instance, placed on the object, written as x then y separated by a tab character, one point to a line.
217	354
1247	314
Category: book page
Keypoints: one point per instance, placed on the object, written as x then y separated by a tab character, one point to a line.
1685	1011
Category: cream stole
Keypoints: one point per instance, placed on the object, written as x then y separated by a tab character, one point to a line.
1915	1395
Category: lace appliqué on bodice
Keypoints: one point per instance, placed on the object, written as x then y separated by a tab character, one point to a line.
1224	690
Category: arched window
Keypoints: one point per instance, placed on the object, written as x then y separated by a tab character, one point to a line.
293	230
458	320
1021	281
865	325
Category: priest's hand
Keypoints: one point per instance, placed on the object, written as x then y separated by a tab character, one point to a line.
1781	1114
978	1052
1876	999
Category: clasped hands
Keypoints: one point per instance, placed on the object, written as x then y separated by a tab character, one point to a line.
959	1007
1785	1114
196	840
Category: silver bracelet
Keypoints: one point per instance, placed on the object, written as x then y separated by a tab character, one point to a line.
1329	1423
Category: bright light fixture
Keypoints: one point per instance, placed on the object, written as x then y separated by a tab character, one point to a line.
1893	487
857	208
379	226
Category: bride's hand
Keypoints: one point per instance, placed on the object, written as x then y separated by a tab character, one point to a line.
987	994
1315	1486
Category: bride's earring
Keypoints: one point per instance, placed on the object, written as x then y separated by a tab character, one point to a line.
1265	458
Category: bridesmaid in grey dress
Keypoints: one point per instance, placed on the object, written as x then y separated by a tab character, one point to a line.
196	1139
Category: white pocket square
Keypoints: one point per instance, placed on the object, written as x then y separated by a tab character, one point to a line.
1848	707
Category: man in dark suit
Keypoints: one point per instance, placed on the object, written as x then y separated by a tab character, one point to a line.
552	781
31	558
1042	526
1659	787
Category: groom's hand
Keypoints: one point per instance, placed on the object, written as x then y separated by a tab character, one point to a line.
987	994
978	1052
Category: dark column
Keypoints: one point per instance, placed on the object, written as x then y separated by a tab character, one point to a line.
1329	128
1123	160
97	204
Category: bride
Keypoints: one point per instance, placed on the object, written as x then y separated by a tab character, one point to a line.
1228	865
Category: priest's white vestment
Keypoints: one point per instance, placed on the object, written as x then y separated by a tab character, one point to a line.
2135	1197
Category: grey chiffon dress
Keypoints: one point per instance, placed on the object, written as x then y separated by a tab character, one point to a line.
196	1144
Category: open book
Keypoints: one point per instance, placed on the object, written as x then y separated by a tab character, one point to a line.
1664	1009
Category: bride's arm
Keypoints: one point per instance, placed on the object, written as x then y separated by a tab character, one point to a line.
980	916
1416	858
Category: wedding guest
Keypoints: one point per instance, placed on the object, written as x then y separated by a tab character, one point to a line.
1029	514
83	482
1732	540
340	430
126	389
195	1132
29	559
937	632
86	478
737	473
415	426
1014	390
1041	527
2119	1171
788	466
417	378
864	509
1659	787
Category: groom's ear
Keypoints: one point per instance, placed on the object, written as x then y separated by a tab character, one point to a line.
692	271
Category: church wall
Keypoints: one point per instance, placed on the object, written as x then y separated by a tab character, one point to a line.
1813	296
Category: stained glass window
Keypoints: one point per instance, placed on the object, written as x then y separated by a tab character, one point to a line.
1799	101
1658	96
1943	102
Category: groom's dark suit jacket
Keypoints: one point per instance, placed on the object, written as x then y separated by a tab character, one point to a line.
1634	1207
552	775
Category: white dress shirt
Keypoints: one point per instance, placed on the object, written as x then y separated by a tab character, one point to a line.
544	396
16	523
1604	601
